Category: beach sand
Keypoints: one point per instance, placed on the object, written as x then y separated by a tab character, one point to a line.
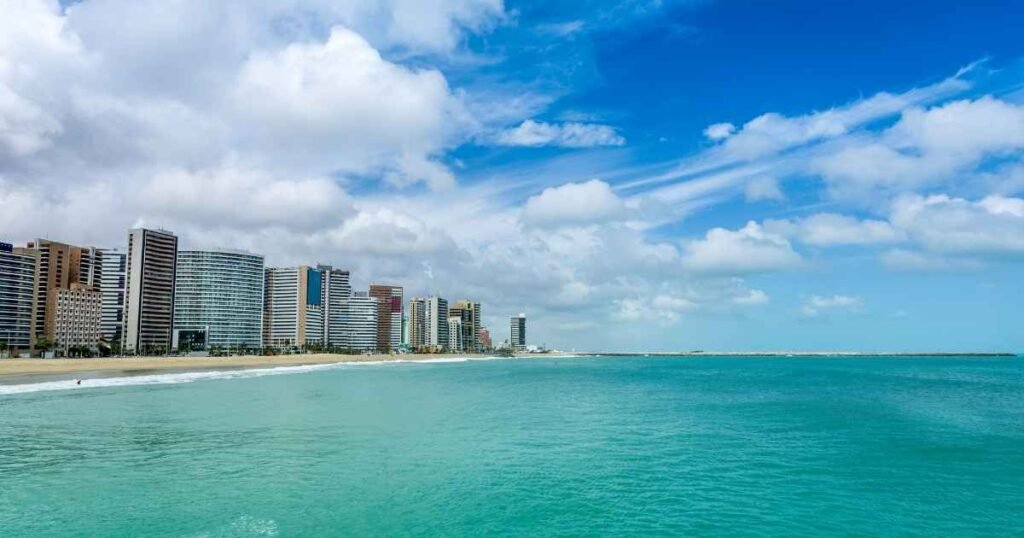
17	367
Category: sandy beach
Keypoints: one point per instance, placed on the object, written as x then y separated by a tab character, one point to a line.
15	367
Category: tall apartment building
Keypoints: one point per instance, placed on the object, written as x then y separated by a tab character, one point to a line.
218	300
417	325
59	266
149	290
297	302
76	317
17	298
455	343
111	278
435	321
518	336
337	288
469	312
389	316
359	329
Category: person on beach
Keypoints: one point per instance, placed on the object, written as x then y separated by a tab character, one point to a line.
78	381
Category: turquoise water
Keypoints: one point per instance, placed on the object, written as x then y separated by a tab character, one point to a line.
547	447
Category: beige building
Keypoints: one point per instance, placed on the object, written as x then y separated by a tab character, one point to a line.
58	266
417	323
469	314
75	317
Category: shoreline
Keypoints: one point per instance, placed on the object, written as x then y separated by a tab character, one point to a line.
11	368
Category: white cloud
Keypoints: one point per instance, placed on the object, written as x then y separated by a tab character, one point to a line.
829	229
569	135
763	188
574	203
942	224
750	249
816	304
719	131
909	260
340	103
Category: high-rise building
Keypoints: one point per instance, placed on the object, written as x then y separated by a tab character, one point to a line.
111	269
293	306
17	300
518	325
76	315
60	265
149	290
484	337
218	300
469	312
417	328
435	321
389	316
455	344
336	290
359	330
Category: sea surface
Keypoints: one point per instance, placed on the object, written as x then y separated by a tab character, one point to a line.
535	447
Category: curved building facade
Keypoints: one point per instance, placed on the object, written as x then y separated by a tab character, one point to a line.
218	300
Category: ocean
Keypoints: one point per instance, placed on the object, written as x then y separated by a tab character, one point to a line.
534	447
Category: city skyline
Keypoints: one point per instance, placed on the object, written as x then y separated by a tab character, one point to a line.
694	176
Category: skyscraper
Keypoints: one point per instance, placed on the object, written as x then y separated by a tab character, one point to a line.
17	286
389	316
417	323
111	266
359	330
293	306
435	321
149	290
469	312
337	289
218	300
518	339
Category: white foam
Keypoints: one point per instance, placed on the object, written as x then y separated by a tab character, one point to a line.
189	377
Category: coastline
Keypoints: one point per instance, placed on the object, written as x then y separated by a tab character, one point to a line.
133	365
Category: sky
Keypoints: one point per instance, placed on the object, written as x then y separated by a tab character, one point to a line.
634	175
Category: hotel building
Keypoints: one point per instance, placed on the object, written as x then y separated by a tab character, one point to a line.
59	266
76	317
293	307
518	325
17	299
359	329
149	290
389	316
218	300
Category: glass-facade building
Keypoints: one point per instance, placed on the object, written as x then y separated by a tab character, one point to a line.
218	300
17	284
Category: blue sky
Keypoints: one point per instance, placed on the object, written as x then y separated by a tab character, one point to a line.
635	175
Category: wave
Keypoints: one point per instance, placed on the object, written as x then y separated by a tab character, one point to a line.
189	377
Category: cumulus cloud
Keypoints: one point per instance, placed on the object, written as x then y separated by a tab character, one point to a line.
829	229
911	260
532	133
991	226
574	203
816	304
719	131
750	249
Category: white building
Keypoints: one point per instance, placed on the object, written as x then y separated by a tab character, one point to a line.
149	290
359	326
435	323
218	300
77	317
455	342
336	291
293	306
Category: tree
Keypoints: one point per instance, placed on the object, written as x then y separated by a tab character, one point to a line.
45	344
